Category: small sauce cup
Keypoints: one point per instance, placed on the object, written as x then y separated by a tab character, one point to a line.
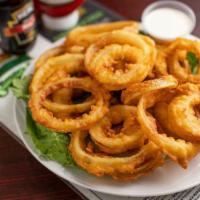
167	20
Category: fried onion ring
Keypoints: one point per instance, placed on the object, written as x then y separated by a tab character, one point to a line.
69	108
182	116
70	63
177	149
147	167
120	58
59	97
82	37
56	51
160	66
177	63
62	96
118	167
46	118
133	93
161	114
129	137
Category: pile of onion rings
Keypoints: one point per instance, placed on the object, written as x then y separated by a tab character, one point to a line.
127	101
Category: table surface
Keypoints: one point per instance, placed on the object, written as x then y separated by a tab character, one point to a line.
21	176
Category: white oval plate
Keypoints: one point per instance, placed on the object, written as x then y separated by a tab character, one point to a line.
165	180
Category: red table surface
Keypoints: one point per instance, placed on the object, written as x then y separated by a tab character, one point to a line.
21	176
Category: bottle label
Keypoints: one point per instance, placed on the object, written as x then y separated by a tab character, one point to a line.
21	25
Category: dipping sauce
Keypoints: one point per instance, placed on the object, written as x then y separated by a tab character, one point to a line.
167	23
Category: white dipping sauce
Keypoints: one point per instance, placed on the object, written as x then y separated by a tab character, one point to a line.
167	23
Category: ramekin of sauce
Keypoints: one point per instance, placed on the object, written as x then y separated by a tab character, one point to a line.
168	20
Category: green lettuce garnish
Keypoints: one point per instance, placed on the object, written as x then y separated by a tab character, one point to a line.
20	87
193	61
50	144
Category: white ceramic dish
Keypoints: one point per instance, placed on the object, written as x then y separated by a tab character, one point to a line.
166	180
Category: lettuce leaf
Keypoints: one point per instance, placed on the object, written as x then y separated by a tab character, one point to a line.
20	87
51	145
193	61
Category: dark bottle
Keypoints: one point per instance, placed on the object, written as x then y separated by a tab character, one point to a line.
17	25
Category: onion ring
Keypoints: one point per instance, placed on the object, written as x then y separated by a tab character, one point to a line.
177	62
84	36
70	63
161	114
106	165
69	108
62	99
129	137
182	116
62	96
56	51
177	149
133	93
143	170
160	66
59	97
46	118
130	54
